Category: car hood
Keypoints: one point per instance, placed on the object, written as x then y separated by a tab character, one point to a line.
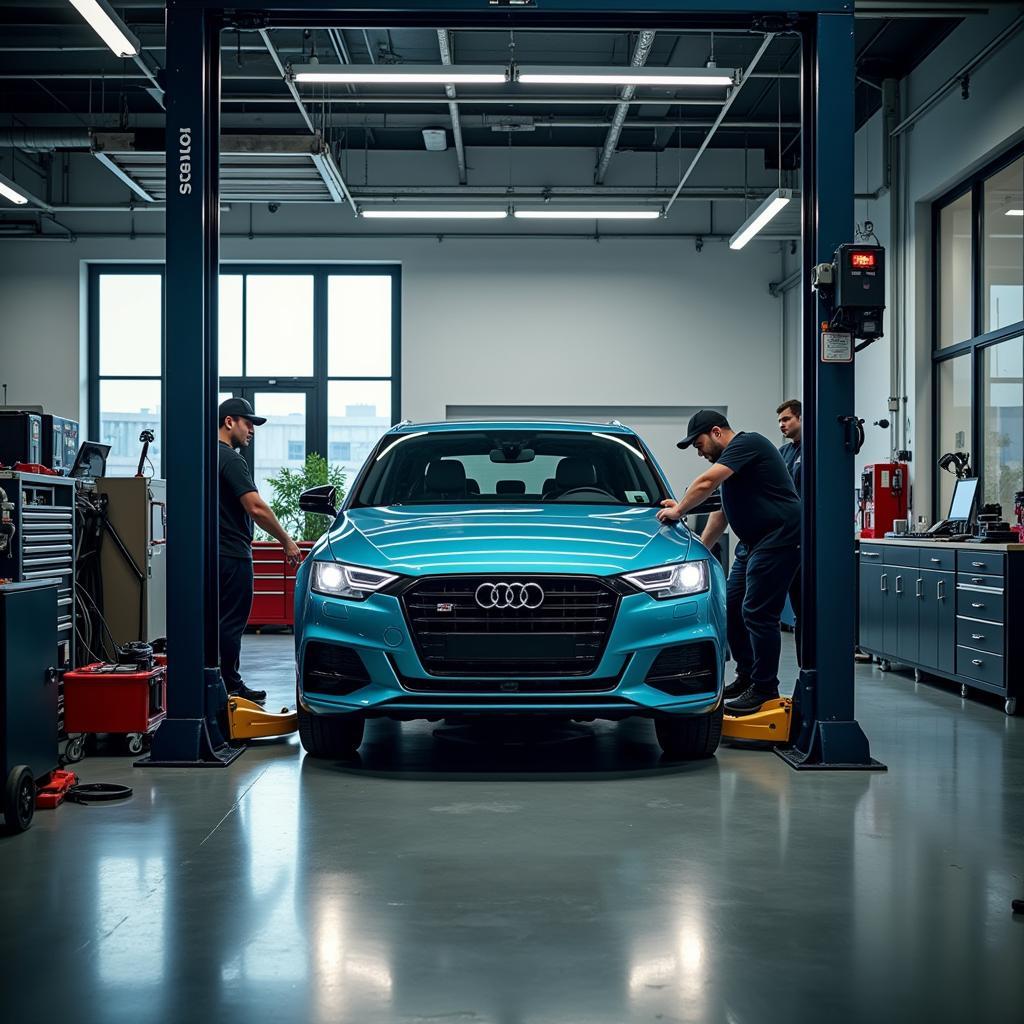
423	540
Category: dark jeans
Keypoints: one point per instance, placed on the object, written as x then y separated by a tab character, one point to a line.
756	596
796	600
235	605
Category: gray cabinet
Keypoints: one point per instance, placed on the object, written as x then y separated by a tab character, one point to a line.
943	609
872	594
936	620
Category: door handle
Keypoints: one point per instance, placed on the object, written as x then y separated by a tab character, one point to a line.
917	588
935	560
977	636
977	579
977	661
899	584
977	604
883	587
977	565
940	590
870	554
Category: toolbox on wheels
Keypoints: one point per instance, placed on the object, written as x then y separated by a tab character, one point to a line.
28	695
106	698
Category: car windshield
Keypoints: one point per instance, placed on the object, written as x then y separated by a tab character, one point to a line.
511	466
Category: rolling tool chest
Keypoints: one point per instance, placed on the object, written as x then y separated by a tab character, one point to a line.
947	609
37	542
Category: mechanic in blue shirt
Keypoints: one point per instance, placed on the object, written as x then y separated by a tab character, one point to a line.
761	506
789	414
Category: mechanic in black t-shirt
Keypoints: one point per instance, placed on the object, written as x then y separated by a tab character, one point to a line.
240	506
761	505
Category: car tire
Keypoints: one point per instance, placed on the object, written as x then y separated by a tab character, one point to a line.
330	736
689	737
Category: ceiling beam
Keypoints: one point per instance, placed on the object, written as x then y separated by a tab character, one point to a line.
721	117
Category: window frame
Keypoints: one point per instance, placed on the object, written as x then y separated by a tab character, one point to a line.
316	385
980	340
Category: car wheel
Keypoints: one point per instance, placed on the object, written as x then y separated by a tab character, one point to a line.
689	737
332	736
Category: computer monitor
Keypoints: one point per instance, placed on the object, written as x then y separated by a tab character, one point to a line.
91	461
961	506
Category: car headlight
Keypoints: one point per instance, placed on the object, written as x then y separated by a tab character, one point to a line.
348	581
669	581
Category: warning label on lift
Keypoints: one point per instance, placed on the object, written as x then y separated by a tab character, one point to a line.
836	347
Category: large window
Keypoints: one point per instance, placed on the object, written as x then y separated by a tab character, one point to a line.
979	329
314	348
126	351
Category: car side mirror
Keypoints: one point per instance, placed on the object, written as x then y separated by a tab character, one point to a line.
320	501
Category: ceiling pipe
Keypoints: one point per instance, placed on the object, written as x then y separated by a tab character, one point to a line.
453	107
642	50
766	42
45	140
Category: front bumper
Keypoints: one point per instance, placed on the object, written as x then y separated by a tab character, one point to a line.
377	630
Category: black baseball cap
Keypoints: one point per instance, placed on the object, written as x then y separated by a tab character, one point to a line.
701	422
239	408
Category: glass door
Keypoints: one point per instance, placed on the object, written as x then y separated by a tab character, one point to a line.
287	436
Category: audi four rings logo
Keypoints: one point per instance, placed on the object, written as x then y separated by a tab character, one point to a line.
509	595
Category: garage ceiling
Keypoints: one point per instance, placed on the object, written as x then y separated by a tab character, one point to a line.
58	76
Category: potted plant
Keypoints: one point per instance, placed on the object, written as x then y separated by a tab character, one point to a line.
288	485
274	579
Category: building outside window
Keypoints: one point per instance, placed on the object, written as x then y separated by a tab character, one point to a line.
979	330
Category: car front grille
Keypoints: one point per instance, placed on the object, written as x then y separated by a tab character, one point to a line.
564	636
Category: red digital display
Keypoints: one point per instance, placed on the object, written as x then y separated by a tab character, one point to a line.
862	260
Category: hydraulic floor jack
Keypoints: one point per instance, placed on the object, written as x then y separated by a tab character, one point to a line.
771	723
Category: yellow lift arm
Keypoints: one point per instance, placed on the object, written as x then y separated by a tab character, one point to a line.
771	723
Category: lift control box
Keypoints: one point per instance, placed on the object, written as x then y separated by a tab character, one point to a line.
859	282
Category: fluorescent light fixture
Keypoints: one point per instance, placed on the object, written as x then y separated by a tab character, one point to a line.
539	214
397	213
401	74
108	26
673	77
1015	213
760	217
10	191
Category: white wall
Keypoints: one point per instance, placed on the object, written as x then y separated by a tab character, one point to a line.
485	322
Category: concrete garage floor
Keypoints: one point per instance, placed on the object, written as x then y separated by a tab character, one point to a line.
587	883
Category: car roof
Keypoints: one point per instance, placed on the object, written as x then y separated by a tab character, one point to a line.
572	426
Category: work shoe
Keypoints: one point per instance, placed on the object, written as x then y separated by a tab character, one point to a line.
736	687
750	700
256	696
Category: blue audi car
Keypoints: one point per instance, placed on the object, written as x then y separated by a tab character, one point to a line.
508	569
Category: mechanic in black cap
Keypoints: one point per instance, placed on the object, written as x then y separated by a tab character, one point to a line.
761	505
240	506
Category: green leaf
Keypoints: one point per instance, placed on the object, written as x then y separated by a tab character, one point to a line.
288	484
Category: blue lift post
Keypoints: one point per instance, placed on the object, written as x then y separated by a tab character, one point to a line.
196	698
827	733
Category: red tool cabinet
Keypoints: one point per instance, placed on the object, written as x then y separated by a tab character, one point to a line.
273	584
102	698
